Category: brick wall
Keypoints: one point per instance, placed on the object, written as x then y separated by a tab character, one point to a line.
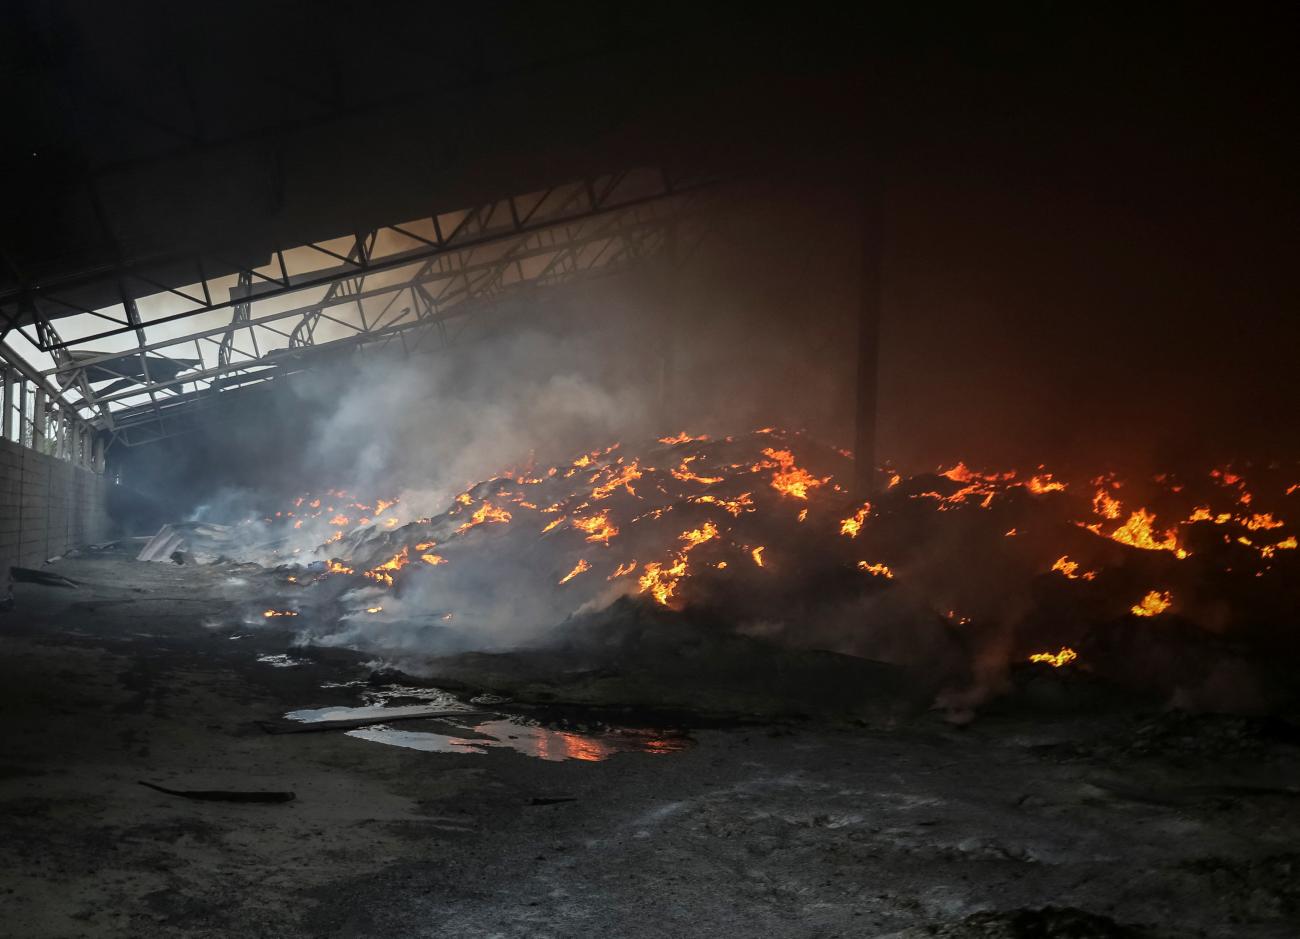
46	507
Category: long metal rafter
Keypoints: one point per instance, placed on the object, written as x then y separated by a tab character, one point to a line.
35	305
410	304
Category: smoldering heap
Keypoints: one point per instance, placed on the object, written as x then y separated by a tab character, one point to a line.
1178	586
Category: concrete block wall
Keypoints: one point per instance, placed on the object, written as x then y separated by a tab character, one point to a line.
46	507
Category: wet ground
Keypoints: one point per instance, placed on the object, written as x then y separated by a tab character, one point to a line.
515	823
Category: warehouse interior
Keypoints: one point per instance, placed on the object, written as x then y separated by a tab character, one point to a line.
568	470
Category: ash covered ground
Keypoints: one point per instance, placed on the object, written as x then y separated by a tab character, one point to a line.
818	808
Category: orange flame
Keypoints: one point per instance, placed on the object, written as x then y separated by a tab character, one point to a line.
599	529
851	526
876	570
1071	569
623	570
742	503
1139	532
383	573
624	477
1153	604
1055	659
1105	506
685	475
1043	483
485	513
697	536
790	480
581	566
662	581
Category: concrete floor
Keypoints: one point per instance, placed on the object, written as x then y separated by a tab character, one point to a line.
1184	828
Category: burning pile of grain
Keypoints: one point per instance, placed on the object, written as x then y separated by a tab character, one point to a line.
950	570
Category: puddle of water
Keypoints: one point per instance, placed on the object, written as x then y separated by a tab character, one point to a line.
530	739
343	713
417	740
280	661
542	743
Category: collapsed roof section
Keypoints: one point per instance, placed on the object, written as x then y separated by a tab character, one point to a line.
133	366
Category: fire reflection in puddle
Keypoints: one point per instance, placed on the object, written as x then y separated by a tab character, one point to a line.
543	743
473	732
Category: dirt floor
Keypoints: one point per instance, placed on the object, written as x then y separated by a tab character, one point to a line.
1025	823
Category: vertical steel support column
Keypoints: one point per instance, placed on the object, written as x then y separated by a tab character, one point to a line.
38	420
7	423
669	296
22	411
98	465
868	366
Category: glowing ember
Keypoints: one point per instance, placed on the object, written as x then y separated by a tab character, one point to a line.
1153	604
1055	659
578	568
268	614
876	570
757	555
